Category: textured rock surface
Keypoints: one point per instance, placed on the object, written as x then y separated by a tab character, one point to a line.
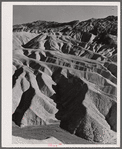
79	113
66	73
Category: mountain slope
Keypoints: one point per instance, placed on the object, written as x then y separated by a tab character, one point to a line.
67	76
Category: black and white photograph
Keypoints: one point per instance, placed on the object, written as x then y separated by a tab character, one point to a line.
62	60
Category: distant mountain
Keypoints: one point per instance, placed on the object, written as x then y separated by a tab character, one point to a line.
95	26
39	26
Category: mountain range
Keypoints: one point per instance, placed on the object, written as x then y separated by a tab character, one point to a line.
65	80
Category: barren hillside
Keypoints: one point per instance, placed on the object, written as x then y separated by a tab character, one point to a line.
65	80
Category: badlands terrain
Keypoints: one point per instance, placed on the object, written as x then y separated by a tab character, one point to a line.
65	82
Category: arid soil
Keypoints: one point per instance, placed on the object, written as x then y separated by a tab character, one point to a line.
65	81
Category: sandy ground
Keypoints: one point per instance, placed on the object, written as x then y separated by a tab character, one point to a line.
43	135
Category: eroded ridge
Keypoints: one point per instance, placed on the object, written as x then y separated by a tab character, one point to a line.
67	78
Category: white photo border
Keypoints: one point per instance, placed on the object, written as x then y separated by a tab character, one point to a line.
6	54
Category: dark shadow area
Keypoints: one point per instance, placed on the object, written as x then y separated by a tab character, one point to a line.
96	56
16	75
23	105
69	92
111	117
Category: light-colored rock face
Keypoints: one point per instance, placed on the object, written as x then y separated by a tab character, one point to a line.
69	80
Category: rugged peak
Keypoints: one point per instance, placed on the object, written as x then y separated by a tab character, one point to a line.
92	25
112	18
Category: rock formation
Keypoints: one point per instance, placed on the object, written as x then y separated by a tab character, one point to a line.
66	74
